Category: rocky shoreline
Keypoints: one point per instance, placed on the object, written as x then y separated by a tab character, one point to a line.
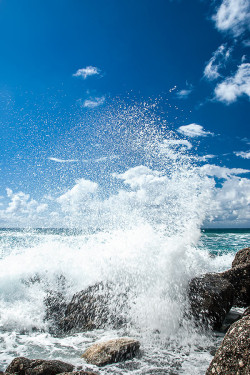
211	297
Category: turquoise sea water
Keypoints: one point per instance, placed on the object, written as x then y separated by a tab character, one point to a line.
216	241
156	268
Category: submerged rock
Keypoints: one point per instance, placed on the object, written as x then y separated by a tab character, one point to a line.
93	308
211	298
25	366
232	357
111	351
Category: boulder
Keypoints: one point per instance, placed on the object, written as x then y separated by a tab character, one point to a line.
232	357
111	351
242	257
97	306
25	366
211	298
239	277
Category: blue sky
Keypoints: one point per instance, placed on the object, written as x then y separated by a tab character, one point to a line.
68	67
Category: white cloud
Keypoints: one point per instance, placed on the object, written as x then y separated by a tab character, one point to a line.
87	72
222	172
243	154
183	94
21	208
22	203
94	102
62	160
233	16
205	157
193	130
235	86
76	198
177	142
230	204
139	176
217	61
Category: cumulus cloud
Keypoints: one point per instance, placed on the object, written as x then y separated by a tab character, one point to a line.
217	61
230	205
233	16
229	90
22	203
87	72
93	102
21	208
193	130
76	198
243	154
139	176
62	160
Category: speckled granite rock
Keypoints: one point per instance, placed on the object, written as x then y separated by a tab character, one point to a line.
232	357
91	309
241	257
239	277
211	298
111	351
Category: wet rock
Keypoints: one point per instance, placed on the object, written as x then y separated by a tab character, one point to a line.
55	304
239	277
97	306
25	366
211	298
111	351
232	357
242	257
230	318
246	312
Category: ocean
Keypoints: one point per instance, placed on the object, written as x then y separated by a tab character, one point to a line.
154	266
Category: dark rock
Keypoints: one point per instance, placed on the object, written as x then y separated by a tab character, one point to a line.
111	351
211	298
239	277
232	357
25	366
230	318
242	257
55	304
97	306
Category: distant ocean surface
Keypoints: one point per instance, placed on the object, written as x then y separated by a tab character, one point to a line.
32	262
